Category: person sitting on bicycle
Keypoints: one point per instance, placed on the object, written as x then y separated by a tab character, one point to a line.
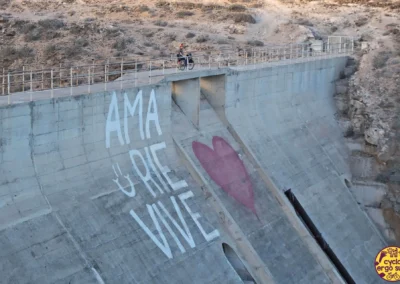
181	54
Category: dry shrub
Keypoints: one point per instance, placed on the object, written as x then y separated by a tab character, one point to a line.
243	18
257	5
361	21
237	8
4	3
170	36
183	14
160	23
50	51
51	24
162	4
10	54
81	42
304	22
190	35
255	43
34	34
211	7
202	38
379	61
72	51
143	8
148	33
383	4
49	35
187	5
222	41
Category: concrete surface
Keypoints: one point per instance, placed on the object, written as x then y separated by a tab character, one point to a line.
110	187
189	105
286	117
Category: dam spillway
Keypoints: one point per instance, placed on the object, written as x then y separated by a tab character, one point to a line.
149	184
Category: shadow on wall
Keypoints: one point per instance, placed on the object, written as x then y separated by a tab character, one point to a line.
237	264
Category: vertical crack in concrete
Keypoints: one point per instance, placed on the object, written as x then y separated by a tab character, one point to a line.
80	251
31	147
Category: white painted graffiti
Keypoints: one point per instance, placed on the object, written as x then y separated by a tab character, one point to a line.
155	176
113	123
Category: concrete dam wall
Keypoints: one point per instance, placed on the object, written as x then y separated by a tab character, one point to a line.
183	182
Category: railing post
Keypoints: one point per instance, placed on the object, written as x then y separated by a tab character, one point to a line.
42	78
108	66
105	73
122	66
89	80
352	44
93	71
246	58
51	75
8	87
31	84
3	84
23	78
135	72
150	74
71	78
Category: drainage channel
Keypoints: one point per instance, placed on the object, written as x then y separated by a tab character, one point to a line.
318	237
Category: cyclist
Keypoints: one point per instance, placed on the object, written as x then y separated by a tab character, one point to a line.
181	54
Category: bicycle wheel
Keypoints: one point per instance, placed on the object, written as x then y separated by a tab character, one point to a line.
181	66
191	66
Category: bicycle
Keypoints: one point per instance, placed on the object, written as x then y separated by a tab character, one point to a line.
186	62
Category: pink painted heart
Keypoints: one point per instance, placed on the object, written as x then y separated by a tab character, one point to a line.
226	169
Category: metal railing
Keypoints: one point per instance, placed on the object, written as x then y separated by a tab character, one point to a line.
144	72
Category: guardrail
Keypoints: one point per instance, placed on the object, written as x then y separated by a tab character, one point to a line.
144	72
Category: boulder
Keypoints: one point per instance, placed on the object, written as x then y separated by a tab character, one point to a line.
10	33
236	29
373	135
358	122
